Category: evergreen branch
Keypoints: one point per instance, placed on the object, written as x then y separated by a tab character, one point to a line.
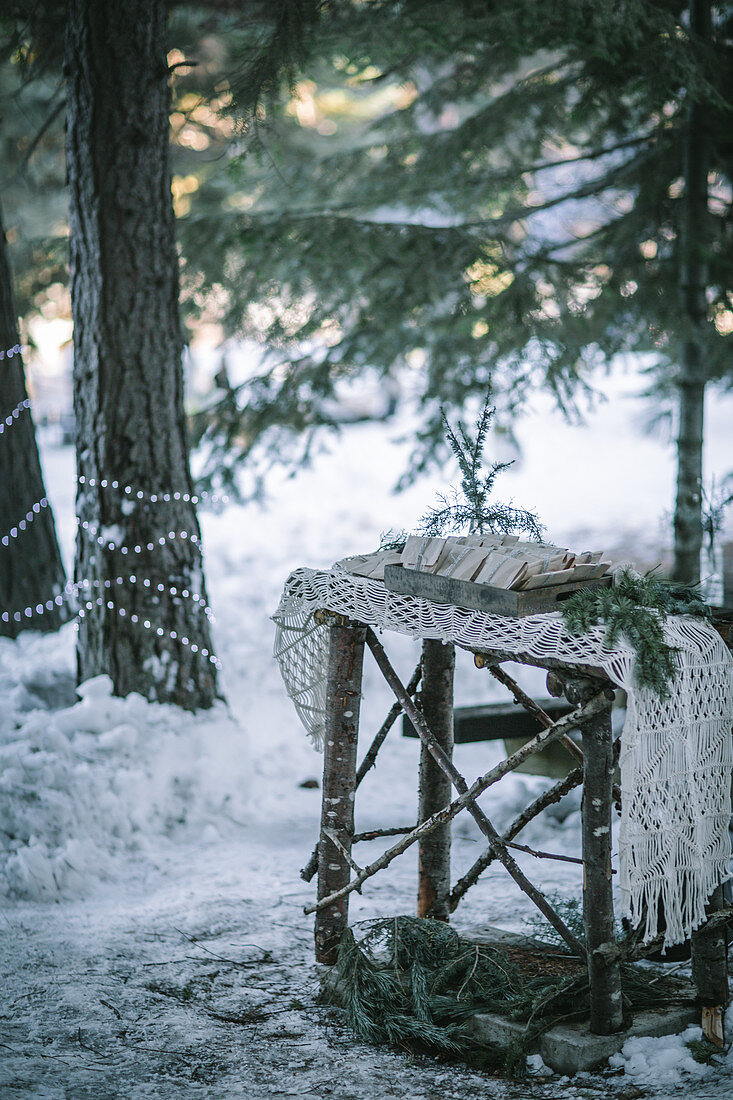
508	175
471	510
589	189
36	140
636	608
591	154
415	982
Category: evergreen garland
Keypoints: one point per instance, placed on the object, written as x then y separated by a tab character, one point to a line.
636	607
414	983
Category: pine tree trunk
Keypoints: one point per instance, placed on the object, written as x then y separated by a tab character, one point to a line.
32	578
693	374
145	621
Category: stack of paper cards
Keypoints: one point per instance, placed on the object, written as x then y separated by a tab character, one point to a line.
501	561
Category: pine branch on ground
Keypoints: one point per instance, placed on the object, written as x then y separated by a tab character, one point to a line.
415	983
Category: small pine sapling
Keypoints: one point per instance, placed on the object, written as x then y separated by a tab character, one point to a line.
470	508
393	540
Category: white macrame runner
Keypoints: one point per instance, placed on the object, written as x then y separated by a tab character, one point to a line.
676	755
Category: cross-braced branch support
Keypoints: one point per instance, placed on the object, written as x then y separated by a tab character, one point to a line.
461	786
545	737
549	798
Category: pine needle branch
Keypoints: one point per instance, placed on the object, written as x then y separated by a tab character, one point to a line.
468	509
414	983
636	608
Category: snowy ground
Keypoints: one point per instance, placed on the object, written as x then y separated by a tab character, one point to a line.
153	940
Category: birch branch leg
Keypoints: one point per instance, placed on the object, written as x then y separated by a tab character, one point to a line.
604	972
461	786
369	759
436	704
343	698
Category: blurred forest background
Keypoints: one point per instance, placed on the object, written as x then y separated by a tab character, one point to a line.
393	205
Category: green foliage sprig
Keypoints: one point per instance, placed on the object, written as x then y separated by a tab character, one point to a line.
636	608
414	983
470	507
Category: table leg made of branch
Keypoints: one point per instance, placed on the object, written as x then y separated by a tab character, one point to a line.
443	793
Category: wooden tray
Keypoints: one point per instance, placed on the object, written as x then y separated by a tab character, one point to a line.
484	597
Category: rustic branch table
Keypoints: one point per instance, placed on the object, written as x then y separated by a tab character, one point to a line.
586	685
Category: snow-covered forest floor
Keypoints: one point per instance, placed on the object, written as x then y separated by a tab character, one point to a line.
153	938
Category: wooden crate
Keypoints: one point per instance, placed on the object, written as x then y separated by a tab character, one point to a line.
484	597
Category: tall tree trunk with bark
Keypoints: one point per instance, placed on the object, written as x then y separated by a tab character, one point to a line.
32	578
145	617
693	375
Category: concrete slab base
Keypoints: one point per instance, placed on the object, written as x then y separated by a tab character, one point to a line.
570	1048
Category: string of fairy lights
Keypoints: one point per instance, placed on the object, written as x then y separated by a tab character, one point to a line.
172	590
22	524
73	590
17	349
93	530
155	498
82	592
13	415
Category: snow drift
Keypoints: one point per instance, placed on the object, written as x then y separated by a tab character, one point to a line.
82	786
